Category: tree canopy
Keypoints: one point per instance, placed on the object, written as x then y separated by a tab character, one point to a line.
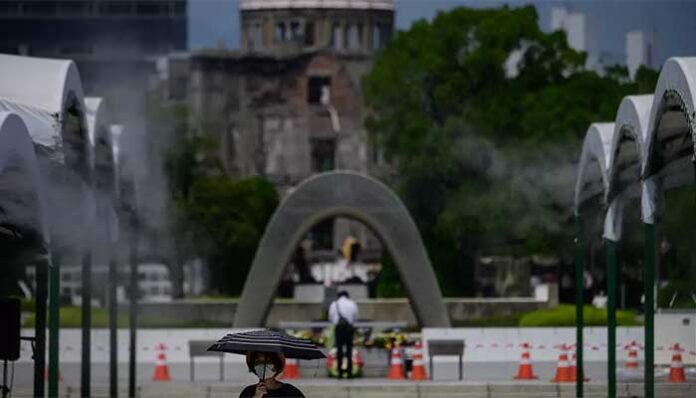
481	114
217	218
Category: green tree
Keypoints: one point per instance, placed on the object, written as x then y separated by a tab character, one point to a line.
214	217
482	115
227	218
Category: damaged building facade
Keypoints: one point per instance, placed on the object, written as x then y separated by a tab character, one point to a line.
288	104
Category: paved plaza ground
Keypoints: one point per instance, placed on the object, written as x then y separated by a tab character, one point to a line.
480	380
381	388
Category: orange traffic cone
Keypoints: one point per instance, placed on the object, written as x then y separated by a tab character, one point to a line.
632	361
396	366
574	369
418	369
292	369
525	371
563	368
161	369
676	369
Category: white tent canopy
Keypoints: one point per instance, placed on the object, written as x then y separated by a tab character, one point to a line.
45	92
48	94
44	83
671	127
630	134
100	131
95	114
43	127
677	79
593	174
653	143
116	131
631	124
99	126
21	196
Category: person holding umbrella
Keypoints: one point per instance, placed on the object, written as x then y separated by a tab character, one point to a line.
265	352
267	366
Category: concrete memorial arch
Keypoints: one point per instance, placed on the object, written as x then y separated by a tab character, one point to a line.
355	196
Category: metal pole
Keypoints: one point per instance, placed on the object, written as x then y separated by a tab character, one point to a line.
40	326
648	290
133	324
53	325
611	316
579	302
5	386
86	365
113	324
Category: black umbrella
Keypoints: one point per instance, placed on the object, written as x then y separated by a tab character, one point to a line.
268	341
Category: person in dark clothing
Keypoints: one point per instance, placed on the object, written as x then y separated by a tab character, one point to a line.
267	366
343	313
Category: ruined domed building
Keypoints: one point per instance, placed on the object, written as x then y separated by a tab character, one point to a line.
288	104
339	25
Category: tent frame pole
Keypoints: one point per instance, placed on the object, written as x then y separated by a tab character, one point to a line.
113	324
649	292
86	365
42	271
54	325
611	316
579	302
134	293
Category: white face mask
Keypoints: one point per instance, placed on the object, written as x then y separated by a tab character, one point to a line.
264	370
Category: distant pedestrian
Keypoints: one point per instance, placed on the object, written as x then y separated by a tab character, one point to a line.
343	313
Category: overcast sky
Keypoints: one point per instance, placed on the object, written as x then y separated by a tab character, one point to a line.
215	23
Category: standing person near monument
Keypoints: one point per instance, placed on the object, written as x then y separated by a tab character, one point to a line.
343	313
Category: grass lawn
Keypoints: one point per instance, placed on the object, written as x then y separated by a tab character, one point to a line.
71	317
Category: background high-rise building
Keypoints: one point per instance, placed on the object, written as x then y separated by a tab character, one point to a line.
581	36
639	50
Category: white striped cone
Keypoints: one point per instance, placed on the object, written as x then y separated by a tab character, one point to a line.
525	370
525	358
161	369
418	369
291	370
676	369
563	361
396	367
574	368
563	369
632	361
396	357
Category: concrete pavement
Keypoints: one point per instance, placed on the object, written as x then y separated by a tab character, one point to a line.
480	380
380	388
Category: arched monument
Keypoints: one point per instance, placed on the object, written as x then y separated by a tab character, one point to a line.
350	195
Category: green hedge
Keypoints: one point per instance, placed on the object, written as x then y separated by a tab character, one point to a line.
564	315
496	321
